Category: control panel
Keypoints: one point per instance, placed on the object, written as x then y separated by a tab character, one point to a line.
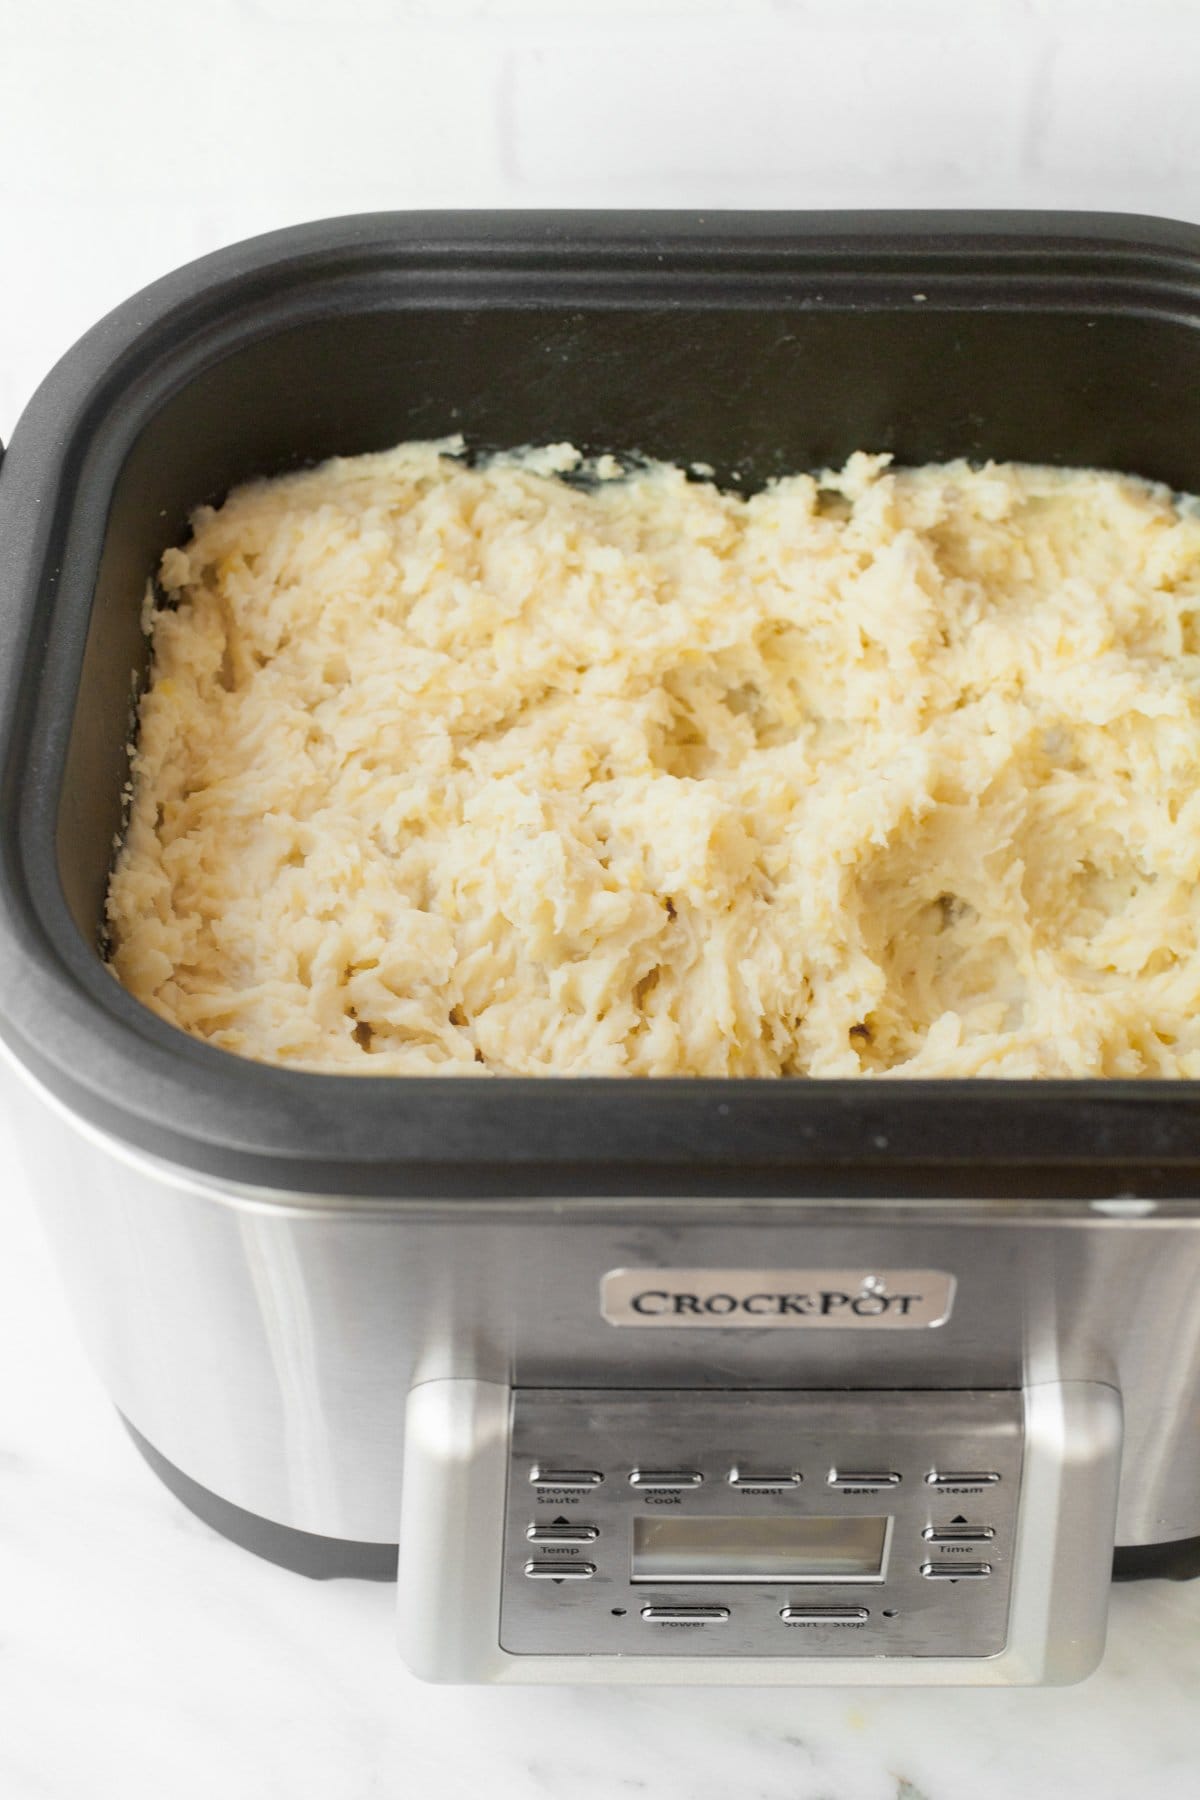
760	1524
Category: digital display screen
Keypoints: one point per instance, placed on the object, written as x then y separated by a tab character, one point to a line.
762	1550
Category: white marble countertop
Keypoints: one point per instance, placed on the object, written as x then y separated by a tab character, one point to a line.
140	1654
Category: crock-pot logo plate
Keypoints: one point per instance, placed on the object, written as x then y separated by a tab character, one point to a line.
869	1299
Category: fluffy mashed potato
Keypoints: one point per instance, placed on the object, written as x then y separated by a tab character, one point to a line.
453	769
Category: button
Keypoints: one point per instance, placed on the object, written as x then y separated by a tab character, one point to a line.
685	1615
957	1534
947	1478
824	1615
560	1571
853	1478
665	1481
956	1571
763	1484
562	1534
565	1478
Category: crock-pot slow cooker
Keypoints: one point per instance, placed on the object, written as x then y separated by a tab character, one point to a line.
805	1381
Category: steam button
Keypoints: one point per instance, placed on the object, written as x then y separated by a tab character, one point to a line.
956	1478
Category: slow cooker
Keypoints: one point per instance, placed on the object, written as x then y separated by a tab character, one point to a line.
792	1381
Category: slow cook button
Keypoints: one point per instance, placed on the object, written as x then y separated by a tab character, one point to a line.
824	1615
560	1571
685	1615
565	1478
665	1481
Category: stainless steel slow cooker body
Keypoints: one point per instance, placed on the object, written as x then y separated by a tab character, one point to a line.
266	1263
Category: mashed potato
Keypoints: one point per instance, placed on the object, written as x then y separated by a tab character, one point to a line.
452	769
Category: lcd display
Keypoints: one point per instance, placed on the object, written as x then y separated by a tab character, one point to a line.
762	1550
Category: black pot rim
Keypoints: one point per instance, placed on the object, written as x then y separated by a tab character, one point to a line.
121	1069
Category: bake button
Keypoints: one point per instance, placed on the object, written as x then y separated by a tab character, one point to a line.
824	1615
560	1571
562	1534
863	1478
685	1615
956	1478
565	1478
956	1571
763	1484
958	1534
665	1481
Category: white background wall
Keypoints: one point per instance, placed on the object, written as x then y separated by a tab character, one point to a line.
139	133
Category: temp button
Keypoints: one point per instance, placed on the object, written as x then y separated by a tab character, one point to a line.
560	1571
562	1534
